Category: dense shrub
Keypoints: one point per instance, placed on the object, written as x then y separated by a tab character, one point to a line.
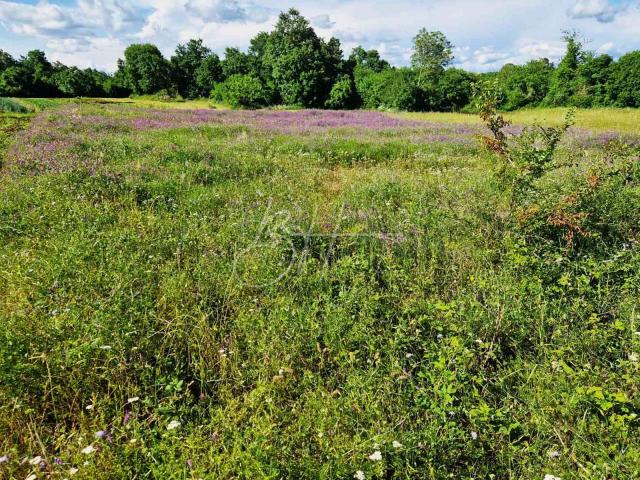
623	88
392	88
343	95
526	85
240	91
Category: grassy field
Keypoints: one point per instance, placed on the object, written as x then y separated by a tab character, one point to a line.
597	119
218	294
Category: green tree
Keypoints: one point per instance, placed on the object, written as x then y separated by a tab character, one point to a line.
208	74
367	59
302	65
260	68
39	72
525	85
144	69
565	79
451	92
185	65
6	61
593	74
623	86
14	81
235	62
73	82
432	52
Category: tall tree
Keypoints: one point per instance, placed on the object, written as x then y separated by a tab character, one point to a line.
302	65
235	62
186	61
623	88
6	61
564	81
145	70
208	74
432	52
367	59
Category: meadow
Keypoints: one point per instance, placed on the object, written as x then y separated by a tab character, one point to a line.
190	293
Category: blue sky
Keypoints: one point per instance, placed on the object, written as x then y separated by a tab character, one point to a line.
487	34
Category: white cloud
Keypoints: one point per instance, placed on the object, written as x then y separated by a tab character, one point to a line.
607	47
602	10
488	34
322	21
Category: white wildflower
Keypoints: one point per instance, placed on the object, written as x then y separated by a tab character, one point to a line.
88	407
133	399
551	477
105	347
409	355
397	444
359	475
474	435
35	460
4	459
73	471
554	454
173	424
88	450
376	456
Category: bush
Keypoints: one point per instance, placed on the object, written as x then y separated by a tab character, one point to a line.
451	92
343	95
393	88
240	91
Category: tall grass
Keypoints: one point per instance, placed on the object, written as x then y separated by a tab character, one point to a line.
215	300
9	105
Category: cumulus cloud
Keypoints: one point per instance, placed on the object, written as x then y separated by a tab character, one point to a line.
488	34
228	11
86	18
487	56
322	21
602	10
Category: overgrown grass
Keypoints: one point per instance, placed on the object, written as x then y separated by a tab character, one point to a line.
10	105
223	301
597	119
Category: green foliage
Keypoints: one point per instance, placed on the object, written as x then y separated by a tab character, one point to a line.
369	59
451	91
144	69
526	85
564	83
240	91
432	52
623	88
303	66
392	88
343	94
195	69
235	63
208	74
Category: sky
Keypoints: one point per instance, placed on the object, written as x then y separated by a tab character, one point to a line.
487	33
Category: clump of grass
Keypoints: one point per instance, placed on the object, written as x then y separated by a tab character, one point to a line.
9	105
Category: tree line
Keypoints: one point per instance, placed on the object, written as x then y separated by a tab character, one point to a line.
292	65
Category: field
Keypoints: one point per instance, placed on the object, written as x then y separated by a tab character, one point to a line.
218	294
